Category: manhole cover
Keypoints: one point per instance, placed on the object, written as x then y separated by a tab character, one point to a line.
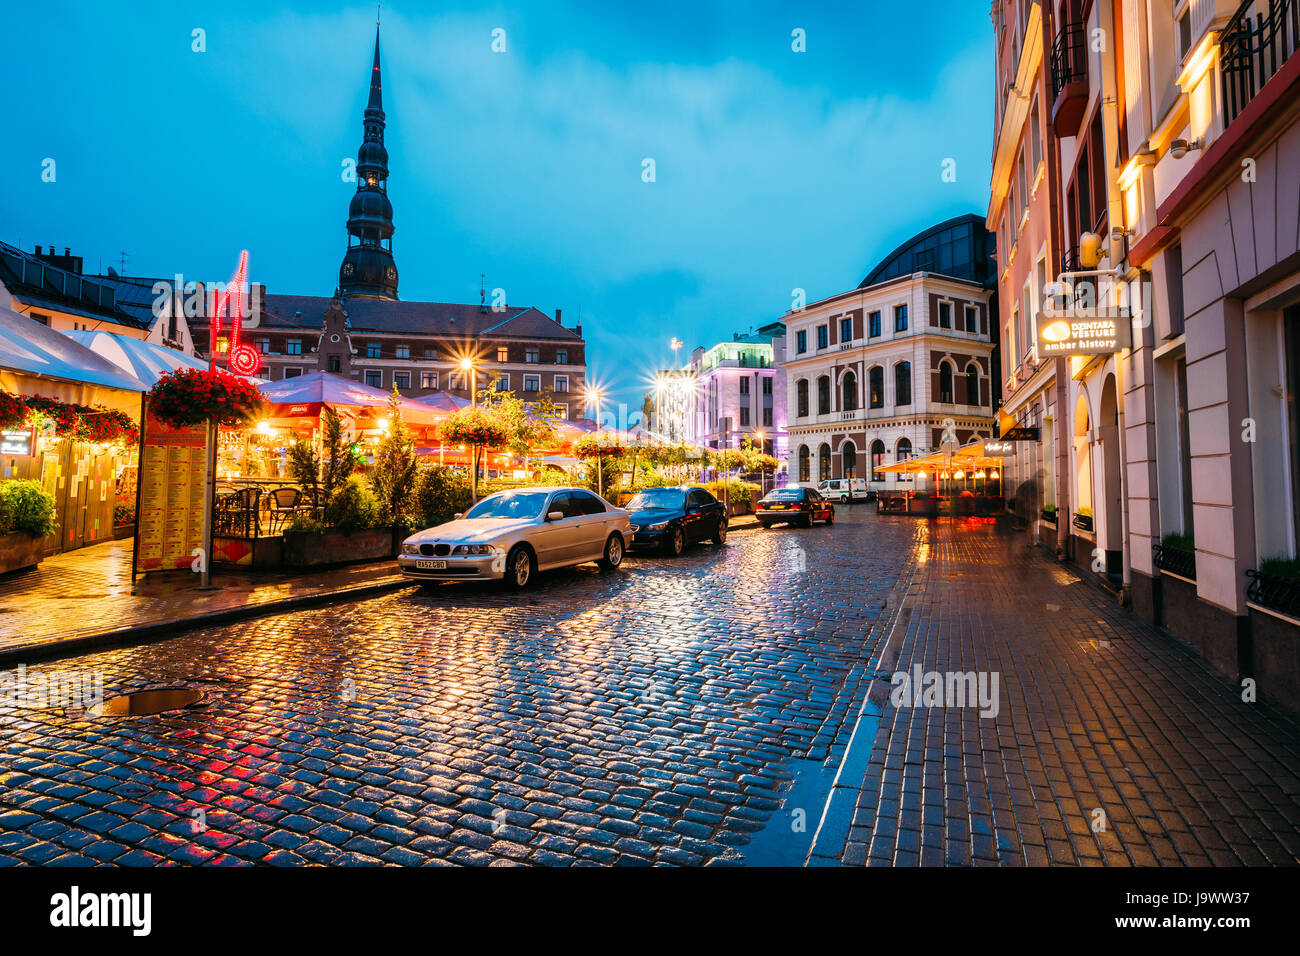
147	702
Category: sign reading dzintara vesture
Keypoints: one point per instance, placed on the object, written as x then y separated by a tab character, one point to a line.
1084	332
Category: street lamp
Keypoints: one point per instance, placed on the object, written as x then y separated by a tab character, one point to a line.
675	344
762	450
470	365
593	398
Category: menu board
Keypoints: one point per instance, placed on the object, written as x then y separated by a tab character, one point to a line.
172	472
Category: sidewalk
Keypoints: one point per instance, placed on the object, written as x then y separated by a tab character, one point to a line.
83	598
1112	744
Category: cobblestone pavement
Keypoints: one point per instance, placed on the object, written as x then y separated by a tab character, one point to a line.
88	591
653	714
669	712
1112	744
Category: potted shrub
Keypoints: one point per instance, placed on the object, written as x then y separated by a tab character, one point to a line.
1083	519
26	518
352	531
1049	514
923	503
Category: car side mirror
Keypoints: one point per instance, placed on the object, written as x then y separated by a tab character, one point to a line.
555	516
458	515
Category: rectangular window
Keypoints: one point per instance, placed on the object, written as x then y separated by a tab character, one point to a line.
41	317
503	382
403	351
429	353
945	315
1035	138
767	386
744	386
532	383
1011	339
744	415
293	347
972	319
334	363
532	356
823	336
900	318
561	356
1026	319
503	354
846	329
374	378
372	350
402	379
428	380
561	383
264	345
767	416
562	409
873	323
292	372
801	340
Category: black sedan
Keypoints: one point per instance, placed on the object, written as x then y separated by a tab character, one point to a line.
794	505
671	518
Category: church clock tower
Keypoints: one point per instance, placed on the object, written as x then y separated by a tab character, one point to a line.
368	267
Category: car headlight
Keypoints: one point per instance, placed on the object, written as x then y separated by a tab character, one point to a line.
473	549
410	548
659	527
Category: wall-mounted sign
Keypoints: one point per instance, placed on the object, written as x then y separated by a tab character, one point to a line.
999	449
1021	433
1084	332
19	443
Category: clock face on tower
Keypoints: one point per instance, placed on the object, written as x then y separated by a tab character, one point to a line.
392	273
348	268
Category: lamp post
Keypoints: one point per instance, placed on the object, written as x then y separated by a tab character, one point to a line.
762	472
470	365
593	398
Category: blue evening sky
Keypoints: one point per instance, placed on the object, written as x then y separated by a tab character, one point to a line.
775	170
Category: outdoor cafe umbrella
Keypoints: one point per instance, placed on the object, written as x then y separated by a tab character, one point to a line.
144	360
308	395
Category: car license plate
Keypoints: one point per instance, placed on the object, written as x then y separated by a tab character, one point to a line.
777	507
430	565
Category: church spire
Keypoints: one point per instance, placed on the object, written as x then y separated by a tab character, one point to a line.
368	267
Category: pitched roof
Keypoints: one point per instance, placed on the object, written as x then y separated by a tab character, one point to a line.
367	314
43	285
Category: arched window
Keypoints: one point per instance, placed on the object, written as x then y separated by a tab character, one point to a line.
805	468
877	460
945	383
849	387
903	453
903	383
876	380
850	455
802	389
824	462
972	384
824	395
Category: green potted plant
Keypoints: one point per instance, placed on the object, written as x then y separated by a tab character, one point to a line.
1049	514
1083	519
26	519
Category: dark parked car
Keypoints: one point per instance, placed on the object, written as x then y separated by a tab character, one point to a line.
672	518
794	505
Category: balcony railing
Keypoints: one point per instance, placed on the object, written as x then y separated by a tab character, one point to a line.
1252	48
1069	57
1175	560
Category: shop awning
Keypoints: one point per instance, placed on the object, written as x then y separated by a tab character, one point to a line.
307	395
144	360
31	348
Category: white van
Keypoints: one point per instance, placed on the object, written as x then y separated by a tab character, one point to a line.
843	489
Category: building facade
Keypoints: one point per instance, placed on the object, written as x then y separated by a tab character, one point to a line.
885	372
1176	189
734	394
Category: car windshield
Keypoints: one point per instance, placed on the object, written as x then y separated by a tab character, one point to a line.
786	494
510	504
657	498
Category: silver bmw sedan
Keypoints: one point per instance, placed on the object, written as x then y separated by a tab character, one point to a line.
512	535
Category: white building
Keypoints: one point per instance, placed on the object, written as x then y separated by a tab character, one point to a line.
883	373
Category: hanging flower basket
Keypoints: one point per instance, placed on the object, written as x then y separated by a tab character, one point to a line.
44	412
471	426
597	446
187	397
13	412
104	426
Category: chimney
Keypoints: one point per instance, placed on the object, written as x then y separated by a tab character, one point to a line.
578	329
557	317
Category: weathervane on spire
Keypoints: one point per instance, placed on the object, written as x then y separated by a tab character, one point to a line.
377	8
